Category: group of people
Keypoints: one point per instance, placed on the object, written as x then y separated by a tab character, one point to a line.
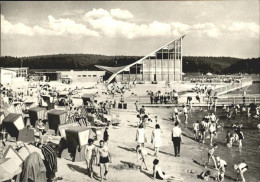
163	98
99	155
156	141
216	79
220	165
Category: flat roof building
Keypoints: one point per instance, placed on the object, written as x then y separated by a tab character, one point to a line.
163	64
8	75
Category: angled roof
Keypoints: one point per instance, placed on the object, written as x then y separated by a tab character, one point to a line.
115	70
110	69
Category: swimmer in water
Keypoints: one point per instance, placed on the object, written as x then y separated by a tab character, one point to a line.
212	131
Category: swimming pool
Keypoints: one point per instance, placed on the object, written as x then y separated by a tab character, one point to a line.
252	89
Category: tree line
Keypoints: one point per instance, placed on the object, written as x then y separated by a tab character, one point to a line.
191	64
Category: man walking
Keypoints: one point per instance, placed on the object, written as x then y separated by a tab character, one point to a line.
176	138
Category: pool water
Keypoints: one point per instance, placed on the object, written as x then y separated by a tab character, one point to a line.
250	152
252	89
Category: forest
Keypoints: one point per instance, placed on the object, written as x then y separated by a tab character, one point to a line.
191	64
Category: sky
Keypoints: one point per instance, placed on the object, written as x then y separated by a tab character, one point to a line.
135	28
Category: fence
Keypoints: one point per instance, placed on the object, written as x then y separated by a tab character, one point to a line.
234	86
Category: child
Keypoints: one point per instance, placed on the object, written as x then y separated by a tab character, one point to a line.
196	129
240	169
205	175
211	156
221	166
143	153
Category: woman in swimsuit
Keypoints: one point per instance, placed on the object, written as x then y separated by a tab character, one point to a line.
90	153
159	174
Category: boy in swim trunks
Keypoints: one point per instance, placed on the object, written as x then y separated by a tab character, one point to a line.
90	153
103	158
211	156
141	152
221	164
240	169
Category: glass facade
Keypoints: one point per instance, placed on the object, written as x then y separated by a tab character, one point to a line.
164	64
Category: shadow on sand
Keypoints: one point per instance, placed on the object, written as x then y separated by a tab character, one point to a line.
162	152
77	168
83	171
127	149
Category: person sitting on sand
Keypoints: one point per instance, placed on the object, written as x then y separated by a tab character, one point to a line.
141	154
240	169
90	153
103	158
159	174
205	175
211	156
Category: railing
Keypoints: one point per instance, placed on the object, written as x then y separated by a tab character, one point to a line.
240	100
233	86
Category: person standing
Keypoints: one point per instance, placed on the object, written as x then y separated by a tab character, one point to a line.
142	110
176	138
185	112
211	156
50	161
106	136
212	131
140	135
103	158
196	130
156	139
90	153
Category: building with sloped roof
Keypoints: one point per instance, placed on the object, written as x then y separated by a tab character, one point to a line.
163	64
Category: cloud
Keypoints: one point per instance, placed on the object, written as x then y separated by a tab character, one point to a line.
121	14
250	29
57	27
69	27
19	28
96	14
117	22
208	29
121	23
